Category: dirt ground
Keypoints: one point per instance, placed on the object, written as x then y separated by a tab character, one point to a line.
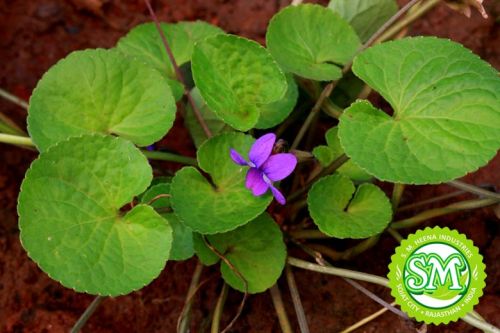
35	34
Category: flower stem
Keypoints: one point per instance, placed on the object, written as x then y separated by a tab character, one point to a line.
347	273
86	314
431	213
16	140
474	189
280	309
178	72
219	307
184	319
13	98
164	156
429	201
397	193
297	303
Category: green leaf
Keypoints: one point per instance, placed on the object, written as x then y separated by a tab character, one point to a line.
70	219
100	91
256	250
342	211
274	113
182	244
311	41
214	123
224	203
327	154
446	112
236	78
365	16
144	43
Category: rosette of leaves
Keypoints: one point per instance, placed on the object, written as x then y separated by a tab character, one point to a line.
256	251
219	202
71	218
446	107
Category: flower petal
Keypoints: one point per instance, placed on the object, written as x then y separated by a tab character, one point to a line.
237	158
261	149
255	182
278	195
279	166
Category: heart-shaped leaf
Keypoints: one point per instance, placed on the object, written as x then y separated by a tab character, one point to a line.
224	203
446	112
70	219
365	16
342	211
100	91
256	250
158	196
144	43
311	41
274	113
236	77
214	123
327	154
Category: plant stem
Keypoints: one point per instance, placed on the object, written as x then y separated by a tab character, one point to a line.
308	234
164	156
184	319
397	193
297	303
474	189
338	272
219	307
8	126
367	319
389	23
431	213
406	21
13	98
395	234
86	314
280	309
429	201
482	325
178	71
16	140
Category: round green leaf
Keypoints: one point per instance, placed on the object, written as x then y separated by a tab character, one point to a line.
274	113
214	123
256	250
236	77
341	211
224	203
327	154
100	91
182	244
144	43
365	16
71	223
446	112
311	41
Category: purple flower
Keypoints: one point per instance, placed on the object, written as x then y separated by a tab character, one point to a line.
264	167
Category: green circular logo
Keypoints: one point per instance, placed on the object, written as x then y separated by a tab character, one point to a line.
436	275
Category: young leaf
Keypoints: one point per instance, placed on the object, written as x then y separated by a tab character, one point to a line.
224	203
365	16
327	154
446	112
256	250
182	244
144	43
274	113
311	41
70	219
100	91
341	211
213	122
236	77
